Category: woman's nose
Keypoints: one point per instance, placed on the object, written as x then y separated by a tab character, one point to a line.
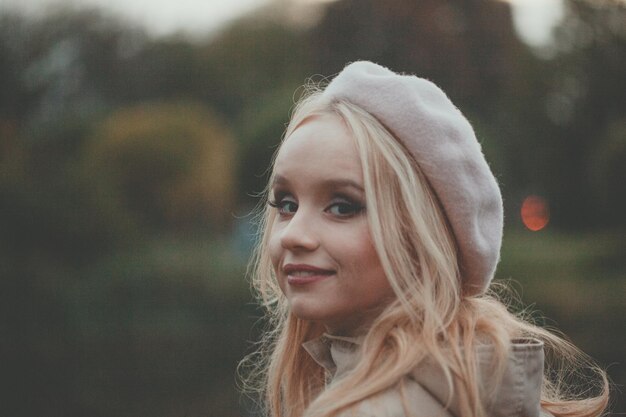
299	233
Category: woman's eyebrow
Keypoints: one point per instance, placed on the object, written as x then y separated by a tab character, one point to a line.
342	183
327	183
279	180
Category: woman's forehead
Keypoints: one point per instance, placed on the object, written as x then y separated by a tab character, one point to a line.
320	149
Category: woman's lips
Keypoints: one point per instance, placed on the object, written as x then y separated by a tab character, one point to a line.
305	274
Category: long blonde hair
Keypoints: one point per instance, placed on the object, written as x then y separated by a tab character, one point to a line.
430	317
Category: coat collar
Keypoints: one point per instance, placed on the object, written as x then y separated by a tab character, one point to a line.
336	354
518	393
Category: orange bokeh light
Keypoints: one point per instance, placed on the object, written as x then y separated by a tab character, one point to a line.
535	213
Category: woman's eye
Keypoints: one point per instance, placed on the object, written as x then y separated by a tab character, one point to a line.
284	206
344	209
287	207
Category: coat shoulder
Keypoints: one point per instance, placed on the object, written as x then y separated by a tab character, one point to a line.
406	399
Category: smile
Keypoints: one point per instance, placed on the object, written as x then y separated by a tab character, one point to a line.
305	274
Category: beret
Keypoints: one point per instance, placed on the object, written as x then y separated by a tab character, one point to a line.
443	143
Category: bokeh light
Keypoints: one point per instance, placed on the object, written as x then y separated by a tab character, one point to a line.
535	213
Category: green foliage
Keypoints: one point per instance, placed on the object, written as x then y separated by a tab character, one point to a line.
165	321
607	171
250	60
169	164
577	282
584	107
48	214
265	122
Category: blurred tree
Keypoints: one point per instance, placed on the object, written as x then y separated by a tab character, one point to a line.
251	59
14	99
585	106
165	68
250	72
69	61
260	134
467	47
171	164
607	172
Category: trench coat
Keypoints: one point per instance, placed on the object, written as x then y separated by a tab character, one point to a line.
425	390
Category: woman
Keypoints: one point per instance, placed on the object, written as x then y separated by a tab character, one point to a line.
381	235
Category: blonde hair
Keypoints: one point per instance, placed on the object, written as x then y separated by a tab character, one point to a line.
430	317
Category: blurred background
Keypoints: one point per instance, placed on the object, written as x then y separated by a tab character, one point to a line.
135	134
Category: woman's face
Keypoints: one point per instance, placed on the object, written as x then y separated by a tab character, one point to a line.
320	243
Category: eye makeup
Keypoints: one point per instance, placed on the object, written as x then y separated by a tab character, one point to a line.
344	205
338	197
283	206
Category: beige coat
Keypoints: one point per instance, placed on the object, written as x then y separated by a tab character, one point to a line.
426	391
